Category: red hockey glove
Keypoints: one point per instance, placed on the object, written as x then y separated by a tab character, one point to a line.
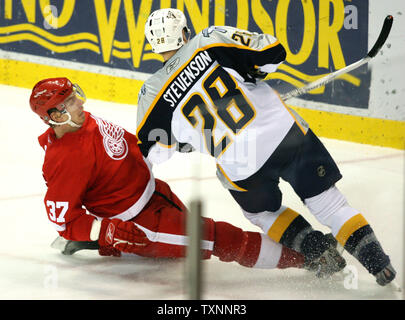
109	251
124	236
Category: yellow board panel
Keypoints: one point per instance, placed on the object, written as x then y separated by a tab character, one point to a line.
96	86
373	131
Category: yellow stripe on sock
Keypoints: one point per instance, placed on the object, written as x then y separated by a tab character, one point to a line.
349	227
281	224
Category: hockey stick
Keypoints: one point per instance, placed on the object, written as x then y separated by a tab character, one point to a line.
385	31
68	247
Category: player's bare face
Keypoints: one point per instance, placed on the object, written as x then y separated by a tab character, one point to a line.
74	106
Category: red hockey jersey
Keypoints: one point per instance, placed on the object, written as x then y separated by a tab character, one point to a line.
99	168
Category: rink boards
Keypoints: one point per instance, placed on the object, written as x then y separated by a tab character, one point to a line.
102	47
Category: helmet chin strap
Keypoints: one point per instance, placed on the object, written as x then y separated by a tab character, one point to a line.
68	121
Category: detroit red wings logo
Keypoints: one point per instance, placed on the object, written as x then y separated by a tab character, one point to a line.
114	142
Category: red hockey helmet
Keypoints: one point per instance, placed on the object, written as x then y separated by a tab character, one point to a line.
48	94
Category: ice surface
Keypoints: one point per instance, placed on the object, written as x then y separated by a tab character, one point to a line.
30	269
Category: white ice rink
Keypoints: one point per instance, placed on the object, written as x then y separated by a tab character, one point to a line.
373	182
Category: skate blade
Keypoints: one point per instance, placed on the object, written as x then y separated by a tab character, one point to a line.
59	243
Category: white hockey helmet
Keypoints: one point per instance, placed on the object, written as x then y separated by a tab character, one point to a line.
164	29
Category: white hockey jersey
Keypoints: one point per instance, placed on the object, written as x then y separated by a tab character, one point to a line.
207	96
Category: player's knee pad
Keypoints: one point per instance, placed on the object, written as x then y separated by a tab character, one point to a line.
330	208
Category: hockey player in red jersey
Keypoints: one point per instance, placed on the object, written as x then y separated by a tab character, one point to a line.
207	97
100	188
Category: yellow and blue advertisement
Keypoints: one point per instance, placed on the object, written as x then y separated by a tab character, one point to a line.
320	36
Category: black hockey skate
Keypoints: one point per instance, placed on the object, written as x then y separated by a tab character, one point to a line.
330	262
386	275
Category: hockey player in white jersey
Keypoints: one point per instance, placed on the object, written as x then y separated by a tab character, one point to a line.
208	97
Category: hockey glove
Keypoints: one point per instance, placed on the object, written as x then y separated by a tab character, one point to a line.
124	236
109	251
257	74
